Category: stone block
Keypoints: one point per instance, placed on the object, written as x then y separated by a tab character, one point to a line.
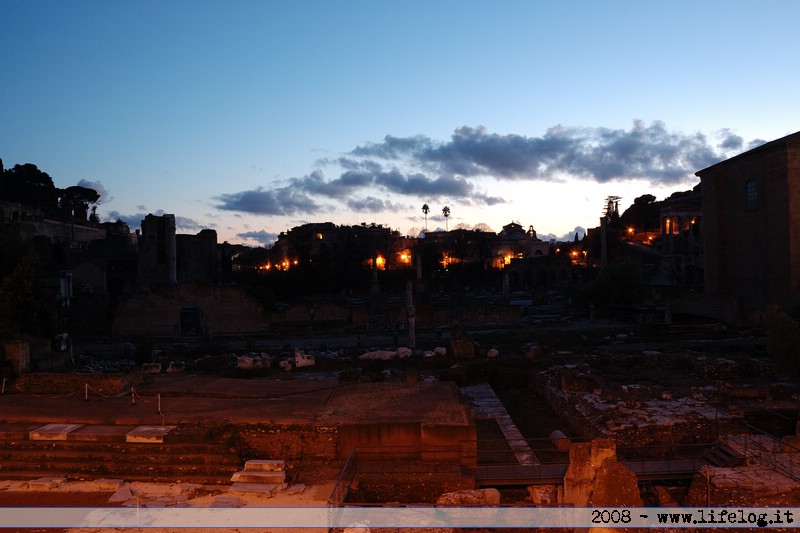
45	483
265	465
53	431
148	434
264	489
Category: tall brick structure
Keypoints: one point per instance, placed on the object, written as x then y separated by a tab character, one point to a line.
157	253
751	230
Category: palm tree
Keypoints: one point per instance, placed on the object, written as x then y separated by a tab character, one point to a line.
446	213
425	211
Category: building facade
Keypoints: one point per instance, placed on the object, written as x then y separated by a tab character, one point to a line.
751	229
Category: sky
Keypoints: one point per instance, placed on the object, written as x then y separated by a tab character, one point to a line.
253	117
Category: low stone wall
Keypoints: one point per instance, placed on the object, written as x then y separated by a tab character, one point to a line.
54	383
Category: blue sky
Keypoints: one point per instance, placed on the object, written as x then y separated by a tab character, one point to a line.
251	118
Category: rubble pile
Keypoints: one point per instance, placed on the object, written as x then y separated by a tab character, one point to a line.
769	477
632	414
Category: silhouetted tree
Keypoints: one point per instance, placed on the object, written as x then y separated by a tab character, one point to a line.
26	184
75	201
643	214
446	213
425	210
26	307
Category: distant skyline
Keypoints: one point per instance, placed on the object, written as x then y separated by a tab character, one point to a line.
253	117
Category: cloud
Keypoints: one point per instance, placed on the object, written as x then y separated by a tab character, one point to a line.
281	201
264	237
455	170
567	237
341	187
370	204
99	188
649	152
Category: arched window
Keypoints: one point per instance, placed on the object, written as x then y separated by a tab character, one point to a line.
751	195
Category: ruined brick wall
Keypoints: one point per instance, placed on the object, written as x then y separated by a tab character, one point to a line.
290	442
225	310
313	313
716	487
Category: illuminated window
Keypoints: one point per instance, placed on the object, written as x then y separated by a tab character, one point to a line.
751	195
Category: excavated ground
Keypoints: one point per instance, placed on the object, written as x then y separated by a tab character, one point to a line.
323	394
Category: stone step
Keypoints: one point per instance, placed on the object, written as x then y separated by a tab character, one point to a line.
100	433
101	456
84	432
256	476
265	489
191	474
117	447
17	432
265	465
30	451
723	455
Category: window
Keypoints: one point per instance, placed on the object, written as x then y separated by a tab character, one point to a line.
751	195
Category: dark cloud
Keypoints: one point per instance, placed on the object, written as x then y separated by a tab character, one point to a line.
264	237
99	188
133	221
489	200
346	184
601	154
730	141
370	204
187	224
394	147
281	201
420	185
